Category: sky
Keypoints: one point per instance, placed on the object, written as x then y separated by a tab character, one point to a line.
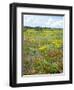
43	21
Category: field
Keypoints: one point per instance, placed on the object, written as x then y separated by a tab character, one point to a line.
42	51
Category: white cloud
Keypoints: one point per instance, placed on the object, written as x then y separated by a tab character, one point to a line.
55	23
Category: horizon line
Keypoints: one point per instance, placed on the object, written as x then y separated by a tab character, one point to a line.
41	27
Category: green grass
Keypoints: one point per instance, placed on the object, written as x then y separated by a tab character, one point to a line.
42	51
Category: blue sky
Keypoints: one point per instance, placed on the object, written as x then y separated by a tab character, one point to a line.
43	21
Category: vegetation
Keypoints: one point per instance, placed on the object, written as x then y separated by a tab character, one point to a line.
42	51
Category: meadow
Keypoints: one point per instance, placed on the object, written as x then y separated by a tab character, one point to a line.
42	51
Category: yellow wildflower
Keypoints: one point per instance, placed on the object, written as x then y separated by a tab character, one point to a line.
57	43
43	48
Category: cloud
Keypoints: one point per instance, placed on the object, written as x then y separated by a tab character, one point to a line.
55	23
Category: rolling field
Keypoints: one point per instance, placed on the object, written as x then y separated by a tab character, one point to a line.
42	51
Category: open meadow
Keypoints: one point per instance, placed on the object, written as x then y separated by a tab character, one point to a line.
42	51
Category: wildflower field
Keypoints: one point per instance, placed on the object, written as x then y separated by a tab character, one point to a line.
42	51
